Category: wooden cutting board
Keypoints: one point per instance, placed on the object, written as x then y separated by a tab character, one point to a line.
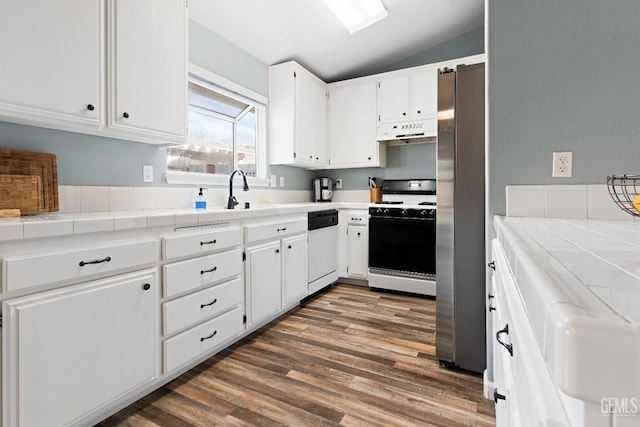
43	165
22	192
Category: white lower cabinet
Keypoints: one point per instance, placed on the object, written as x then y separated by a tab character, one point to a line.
204	295
71	351
263	281
295	258
524	390
356	250
277	267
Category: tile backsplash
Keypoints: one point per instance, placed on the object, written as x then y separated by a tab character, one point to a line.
562	201
104	199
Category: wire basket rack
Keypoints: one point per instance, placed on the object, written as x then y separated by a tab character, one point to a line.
623	190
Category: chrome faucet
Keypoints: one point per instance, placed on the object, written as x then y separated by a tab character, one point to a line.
231	204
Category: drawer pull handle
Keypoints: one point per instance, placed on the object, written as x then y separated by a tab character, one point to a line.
282	229
492	265
211	270
289	247
211	303
277	251
497	396
210	242
490	297
98	261
491	308
146	286
209	337
505	330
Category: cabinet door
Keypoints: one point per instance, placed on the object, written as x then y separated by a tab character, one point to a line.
67	352
263	281
393	98
148	69
352	125
52	60
306	105
356	249
424	94
295	264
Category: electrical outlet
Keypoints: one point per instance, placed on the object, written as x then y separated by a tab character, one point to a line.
338	182
282	181
147	173
274	181
562	164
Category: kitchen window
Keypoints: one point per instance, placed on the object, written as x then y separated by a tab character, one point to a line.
226	131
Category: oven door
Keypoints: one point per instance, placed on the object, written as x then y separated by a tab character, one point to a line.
405	245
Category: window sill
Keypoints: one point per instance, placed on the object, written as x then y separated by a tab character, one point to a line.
201	179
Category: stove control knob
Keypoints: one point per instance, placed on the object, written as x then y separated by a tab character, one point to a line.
405	212
425	212
385	211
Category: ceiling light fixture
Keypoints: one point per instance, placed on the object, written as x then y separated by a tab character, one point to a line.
357	14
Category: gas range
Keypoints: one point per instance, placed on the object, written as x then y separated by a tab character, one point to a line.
402	237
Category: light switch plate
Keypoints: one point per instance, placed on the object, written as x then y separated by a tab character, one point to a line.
282	181
274	181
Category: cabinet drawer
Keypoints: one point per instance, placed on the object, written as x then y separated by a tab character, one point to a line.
27	271
194	308
204	241
184	276
271	230
197	340
357	217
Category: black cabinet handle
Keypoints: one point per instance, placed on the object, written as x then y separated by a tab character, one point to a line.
277	251
509	347
210	242
146	286
358	234
209	337
289	247
211	270
90	107
282	229
492	265
497	396
98	261
317	158
368	158
491	308
404	114
208	304
311	157
125	115
418	111
490	297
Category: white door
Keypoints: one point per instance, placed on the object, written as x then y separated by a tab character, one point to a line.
295	262
352	124
148	80
393	99
69	351
425	94
306	105
51	59
356	247
263	281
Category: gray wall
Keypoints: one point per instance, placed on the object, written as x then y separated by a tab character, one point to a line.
403	162
92	160
467	44
562	77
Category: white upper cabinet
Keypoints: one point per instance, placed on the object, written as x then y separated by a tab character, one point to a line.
297	117
352	125
115	68
409	96
393	98
147	80
424	94
52	64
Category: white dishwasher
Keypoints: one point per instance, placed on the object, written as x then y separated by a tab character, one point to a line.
323	249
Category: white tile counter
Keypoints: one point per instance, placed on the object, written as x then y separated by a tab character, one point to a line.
62	224
579	281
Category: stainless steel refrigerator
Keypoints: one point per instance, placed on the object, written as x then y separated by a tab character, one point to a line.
460	238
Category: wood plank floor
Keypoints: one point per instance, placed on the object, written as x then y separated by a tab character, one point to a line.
348	357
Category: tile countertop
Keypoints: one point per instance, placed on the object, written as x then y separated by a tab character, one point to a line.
62	224
580	283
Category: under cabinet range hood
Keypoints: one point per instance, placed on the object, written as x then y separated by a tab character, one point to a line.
410	132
